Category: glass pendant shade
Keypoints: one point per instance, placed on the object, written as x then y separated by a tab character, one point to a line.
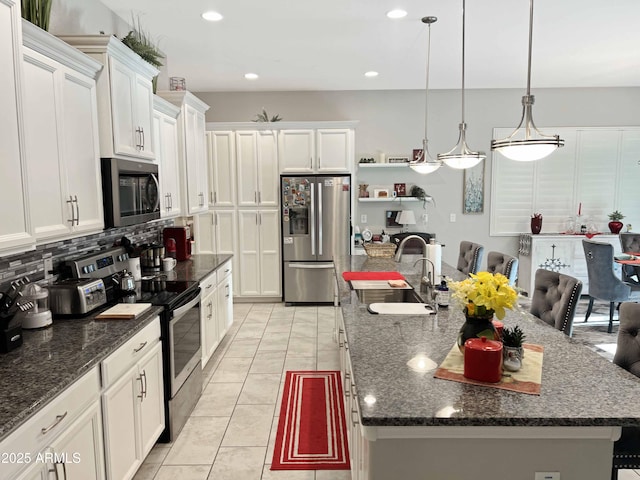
461	156
425	163
527	143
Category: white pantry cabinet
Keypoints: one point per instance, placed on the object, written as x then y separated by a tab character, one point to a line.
221	149
63	440
61	137
259	252
322	150
193	152
15	229
257	164
125	96
165	130
132	402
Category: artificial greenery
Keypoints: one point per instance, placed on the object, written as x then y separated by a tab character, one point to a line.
264	117
419	193
616	216
140	42
37	12
513	337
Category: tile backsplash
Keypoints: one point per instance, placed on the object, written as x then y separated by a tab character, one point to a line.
31	263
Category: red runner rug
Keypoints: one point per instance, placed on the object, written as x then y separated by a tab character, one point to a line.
312	432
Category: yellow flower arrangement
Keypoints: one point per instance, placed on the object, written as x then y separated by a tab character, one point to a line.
484	294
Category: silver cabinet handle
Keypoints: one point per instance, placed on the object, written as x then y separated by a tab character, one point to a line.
215	197
139	141
142	136
210	196
260	217
170	201
144	387
75	201
259	197
226	289
141	394
347	376
142	345
73	212
58	419
255	197
311	163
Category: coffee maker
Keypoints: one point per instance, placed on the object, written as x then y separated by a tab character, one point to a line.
182	237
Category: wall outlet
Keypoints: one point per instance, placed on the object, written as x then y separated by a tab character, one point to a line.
48	267
452	217
425	218
547	476
363	218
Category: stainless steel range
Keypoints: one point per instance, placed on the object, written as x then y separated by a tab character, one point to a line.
180	327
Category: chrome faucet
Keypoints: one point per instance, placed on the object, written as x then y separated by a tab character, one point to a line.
427	282
404	241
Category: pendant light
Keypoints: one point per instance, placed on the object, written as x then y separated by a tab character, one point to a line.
461	156
425	163
527	143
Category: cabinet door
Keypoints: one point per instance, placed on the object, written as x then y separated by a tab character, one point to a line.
267	167
334	150
36	471
152	401
195	161
143	115
226	237
249	252
170	166
81	153
209	325
201	159
120	417
126	140
224	293
50	213
246	144
269	253
296	150
204	232
81	448
15	231
222	160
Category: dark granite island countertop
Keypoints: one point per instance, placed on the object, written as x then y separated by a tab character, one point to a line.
579	387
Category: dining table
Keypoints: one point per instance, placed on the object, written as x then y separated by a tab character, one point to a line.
630	262
417	426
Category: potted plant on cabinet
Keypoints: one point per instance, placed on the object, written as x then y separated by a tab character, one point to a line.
140	42
37	12
615	225
513	351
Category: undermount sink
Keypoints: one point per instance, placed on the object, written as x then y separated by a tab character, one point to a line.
379	291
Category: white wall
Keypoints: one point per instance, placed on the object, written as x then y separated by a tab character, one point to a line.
80	17
393	122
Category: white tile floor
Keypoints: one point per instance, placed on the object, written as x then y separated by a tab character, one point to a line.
231	433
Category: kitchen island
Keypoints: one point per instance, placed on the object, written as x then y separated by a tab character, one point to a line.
411	425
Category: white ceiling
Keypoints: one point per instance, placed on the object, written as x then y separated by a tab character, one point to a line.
330	44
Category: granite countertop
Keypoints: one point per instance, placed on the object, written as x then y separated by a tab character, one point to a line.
579	387
53	358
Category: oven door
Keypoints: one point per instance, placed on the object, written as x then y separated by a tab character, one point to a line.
184	342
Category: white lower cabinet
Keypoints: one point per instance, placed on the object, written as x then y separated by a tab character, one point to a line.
259	252
224	294
216	314
132	402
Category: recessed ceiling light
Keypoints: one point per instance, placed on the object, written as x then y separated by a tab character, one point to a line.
251	76
397	14
371	74
212	16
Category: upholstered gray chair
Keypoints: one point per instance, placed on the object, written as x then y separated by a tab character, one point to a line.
630	243
502	263
603	282
470	257
555	297
626	450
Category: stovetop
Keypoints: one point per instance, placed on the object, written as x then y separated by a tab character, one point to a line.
159	291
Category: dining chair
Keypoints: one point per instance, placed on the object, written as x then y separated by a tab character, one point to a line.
470	257
502	263
603	282
626	450
630	243
554	300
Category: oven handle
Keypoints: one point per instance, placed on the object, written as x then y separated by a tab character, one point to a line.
181	310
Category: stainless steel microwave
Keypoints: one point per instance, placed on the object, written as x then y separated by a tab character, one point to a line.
130	191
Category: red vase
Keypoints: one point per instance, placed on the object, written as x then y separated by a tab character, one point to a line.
615	226
536	224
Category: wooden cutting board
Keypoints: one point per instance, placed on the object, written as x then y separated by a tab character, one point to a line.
124	311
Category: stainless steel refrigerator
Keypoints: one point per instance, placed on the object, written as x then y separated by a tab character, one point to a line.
316	227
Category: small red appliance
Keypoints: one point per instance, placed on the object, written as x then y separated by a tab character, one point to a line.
182	237
483	360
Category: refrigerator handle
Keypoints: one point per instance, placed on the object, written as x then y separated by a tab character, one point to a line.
319	218
313	220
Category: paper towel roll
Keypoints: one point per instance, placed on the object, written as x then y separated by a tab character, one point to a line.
434	253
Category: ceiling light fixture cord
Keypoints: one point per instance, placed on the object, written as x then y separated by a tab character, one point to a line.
461	156
425	163
526	142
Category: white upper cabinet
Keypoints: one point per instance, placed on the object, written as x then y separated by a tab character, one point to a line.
257	162
165	133
125	97
221	148
322	150
61	136
15	229
191	132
